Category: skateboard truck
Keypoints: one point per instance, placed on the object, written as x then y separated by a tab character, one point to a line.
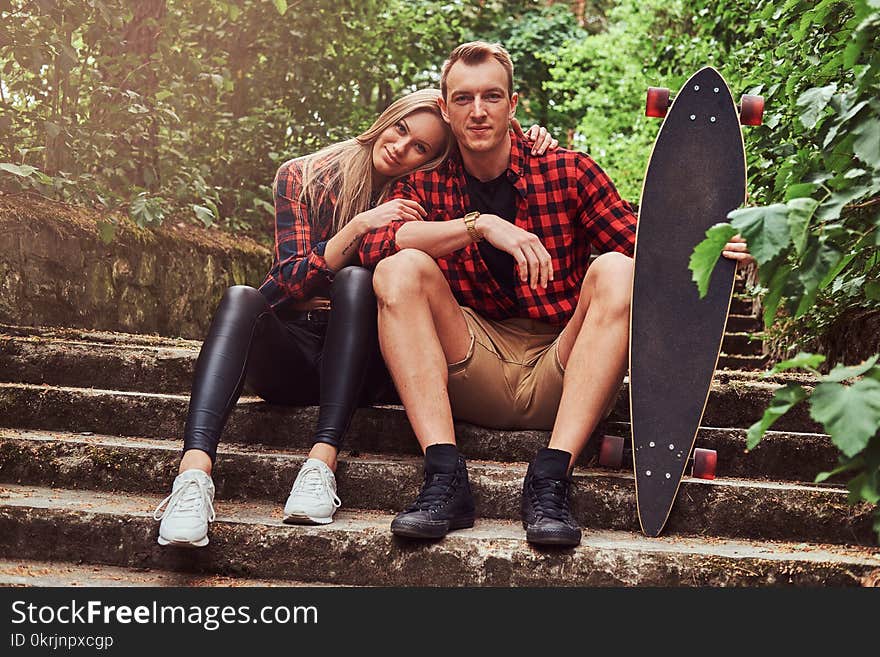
750	108
613	450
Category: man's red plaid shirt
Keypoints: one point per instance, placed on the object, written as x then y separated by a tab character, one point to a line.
563	197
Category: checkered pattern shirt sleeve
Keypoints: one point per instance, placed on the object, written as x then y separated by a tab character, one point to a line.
608	219
381	242
299	270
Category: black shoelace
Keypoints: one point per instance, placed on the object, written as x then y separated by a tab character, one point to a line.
435	491
550	498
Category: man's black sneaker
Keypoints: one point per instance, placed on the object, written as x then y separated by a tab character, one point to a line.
545	501
445	501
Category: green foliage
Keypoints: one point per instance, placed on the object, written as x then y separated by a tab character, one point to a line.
849	413
189	111
783	401
816	177
602	80
534	37
704	257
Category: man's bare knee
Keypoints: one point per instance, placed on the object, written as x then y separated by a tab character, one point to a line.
608	284
402	276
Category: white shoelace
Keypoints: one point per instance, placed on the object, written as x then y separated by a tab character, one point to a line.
190	498
314	480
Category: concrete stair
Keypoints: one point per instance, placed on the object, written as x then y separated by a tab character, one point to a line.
90	435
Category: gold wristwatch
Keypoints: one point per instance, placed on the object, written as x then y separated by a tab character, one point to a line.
470	221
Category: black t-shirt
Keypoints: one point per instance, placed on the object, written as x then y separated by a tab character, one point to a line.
496	196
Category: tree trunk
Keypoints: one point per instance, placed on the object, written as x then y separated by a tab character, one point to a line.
132	70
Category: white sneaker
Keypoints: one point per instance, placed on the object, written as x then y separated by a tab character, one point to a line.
190	508
313	496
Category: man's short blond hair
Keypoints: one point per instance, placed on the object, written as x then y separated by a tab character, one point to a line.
477	52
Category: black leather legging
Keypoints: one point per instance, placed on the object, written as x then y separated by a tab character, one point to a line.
291	362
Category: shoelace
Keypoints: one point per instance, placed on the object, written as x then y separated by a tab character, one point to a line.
313	481
188	499
550	498
434	491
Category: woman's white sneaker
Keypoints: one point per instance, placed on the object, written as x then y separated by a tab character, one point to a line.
313	497
188	510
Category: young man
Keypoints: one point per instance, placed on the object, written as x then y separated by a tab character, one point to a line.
490	311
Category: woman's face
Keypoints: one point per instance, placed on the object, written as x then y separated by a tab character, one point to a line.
408	144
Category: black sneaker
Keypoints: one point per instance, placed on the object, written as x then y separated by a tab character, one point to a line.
545	499
445	501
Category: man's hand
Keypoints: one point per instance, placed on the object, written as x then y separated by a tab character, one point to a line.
399	208
737	249
538	136
533	260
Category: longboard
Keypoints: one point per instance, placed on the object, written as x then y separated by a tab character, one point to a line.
696	175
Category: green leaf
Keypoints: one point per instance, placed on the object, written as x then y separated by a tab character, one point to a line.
854	48
866	147
860	489
801	360
774	296
783	401
831	207
800	190
812	102
765	229
850	414
817	262
853	464
106	231
205	215
281	6
872	291
706	254
799	215
24	170
842	373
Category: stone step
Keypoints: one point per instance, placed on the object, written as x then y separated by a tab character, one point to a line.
781	456
743	324
87	363
25	572
735	404
741	344
248	540
601	499
741	363
151	364
742	305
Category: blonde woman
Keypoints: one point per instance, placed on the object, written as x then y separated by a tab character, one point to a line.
308	335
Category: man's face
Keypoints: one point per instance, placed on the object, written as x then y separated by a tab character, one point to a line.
477	106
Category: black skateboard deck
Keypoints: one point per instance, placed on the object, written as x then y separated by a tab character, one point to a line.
696	175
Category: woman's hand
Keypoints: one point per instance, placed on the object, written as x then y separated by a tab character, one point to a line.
540	139
396	209
737	249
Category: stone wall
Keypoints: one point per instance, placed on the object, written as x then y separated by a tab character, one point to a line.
56	271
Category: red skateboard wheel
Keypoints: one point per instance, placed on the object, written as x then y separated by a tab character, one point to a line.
751	110
705	461
657	102
611	451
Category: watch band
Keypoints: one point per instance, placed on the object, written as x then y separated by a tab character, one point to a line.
470	220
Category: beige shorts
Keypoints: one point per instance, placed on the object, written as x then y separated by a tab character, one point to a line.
511	377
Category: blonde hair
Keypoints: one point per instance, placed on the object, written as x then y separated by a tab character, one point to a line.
346	168
477	52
